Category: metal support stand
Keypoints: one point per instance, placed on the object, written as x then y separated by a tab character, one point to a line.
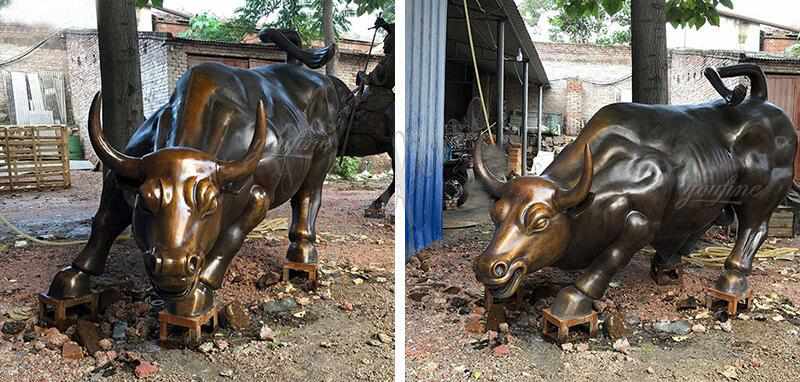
194	324
561	327
309	269
496	311
55	312
734	302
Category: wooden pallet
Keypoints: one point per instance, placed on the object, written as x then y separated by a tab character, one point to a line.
34	158
781	223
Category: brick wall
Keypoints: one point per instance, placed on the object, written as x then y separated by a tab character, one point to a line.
83	65
776	45
51	56
583	79
687	84
155	73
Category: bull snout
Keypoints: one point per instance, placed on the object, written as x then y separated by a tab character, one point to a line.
500	274
173	272
494	270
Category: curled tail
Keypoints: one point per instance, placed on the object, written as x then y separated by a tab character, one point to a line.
289	41
758	82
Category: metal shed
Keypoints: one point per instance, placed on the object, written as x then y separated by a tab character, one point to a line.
436	33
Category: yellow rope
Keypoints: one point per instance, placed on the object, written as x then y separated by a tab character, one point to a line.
36	240
477	75
267	226
716	255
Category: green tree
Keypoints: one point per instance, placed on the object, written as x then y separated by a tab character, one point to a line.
206	26
305	16
602	29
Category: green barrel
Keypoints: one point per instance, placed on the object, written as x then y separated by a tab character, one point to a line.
75	148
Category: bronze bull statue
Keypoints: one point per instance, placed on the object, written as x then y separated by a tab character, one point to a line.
203	171
641	175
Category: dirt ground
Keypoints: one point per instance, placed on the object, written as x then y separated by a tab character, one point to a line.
444	317
342	331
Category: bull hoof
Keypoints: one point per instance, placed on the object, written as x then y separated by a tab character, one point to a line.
70	282
571	303
732	282
374	212
302	251
664	275
198	301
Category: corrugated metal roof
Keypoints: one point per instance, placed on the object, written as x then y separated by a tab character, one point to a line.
484	20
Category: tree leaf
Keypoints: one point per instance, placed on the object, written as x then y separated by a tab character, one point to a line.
612	6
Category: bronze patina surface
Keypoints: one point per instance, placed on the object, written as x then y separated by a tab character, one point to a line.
202	172
642	175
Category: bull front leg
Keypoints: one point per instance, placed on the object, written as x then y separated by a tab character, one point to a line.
201	299
112	217
575	301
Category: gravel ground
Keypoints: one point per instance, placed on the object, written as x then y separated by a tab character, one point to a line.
444	318
342	331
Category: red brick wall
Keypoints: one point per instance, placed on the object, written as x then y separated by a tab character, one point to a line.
776	45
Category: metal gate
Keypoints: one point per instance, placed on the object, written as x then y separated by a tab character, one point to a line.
784	91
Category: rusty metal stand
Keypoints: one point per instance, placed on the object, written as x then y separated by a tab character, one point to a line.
733	301
309	269
496	311
562	326
194	324
60	307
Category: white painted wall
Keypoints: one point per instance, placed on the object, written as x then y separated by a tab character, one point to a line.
731	34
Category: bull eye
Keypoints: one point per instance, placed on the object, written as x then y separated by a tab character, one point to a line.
535	221
151	193
207	197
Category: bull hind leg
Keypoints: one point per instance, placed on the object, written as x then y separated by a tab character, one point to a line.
112	217
665	267
753	217
575	301
305	207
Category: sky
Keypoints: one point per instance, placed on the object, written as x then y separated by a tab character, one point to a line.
81	13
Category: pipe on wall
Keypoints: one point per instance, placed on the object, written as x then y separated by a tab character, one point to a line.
501	75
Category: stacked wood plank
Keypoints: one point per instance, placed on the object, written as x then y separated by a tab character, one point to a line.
33	158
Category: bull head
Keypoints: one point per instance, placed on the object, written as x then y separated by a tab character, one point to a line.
177	213
532	224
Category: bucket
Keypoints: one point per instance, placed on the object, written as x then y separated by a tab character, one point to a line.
75	147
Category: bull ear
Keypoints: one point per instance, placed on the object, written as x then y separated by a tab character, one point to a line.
230	171
120	164
566	199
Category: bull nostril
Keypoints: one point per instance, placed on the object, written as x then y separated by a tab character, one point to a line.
192	264
500	269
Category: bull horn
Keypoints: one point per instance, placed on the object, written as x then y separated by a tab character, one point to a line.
119	163
493	186
570	198
229	171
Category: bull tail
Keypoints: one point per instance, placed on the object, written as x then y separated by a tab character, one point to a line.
289	41
758	81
